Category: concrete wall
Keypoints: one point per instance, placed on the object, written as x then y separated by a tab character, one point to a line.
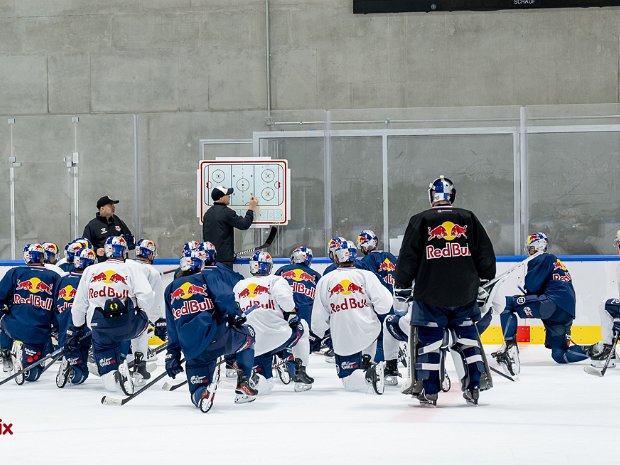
197	68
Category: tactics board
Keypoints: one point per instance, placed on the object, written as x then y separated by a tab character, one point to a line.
267	180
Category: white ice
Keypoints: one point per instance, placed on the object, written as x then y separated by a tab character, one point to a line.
553	415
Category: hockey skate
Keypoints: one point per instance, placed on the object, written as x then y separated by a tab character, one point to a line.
7	360
17	363
427	399
471	396
64	373
123	379
599	353
330	356
204	397
140	372
303	382
244	392
507	357
391	373
375	377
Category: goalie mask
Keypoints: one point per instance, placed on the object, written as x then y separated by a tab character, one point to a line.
537	242
441	189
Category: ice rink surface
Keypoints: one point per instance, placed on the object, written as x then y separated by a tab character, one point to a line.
553	415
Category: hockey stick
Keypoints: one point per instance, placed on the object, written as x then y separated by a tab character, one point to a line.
601	372
55	356
173	387
272	235
106	400
490	284
495	370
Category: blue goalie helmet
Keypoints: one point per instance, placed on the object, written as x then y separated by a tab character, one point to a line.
115	246
346	252
302	255
367	240
51	252
145	248
209	249
537	242
34	253
441	189
261	263
84	258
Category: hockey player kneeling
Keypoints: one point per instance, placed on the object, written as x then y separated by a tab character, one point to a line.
348	302
550	296
109	300
267	301
205	323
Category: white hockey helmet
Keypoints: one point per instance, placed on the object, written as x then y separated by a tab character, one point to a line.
346	252
537	242
261	263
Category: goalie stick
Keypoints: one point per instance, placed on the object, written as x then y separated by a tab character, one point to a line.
107	400
600	372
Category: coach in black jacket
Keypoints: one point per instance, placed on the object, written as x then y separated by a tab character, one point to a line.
106	224
219	222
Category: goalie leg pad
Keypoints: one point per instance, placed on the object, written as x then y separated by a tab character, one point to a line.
468	354
558	339
508	320
428	357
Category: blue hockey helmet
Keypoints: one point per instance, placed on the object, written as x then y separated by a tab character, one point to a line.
189	246
367	240
194	261
115	246
146	248
71	249
332	245
346	252
537	242
51	252
209	249
86	244
261	263
302	255
441	189
84	258
34	253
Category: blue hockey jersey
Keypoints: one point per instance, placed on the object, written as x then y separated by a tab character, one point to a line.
383	264
546	274
303	280
28	291
63	301
195	306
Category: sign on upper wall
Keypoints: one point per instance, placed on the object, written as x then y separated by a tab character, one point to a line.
399	6
266	179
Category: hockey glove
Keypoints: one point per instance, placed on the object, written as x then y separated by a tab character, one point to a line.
131	241
403	294
173	364
161	329
236	321
293	319
483	296
72	338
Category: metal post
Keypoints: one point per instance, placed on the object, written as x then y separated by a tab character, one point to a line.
525	210
327	175
268	60
75	159
386	193
136	184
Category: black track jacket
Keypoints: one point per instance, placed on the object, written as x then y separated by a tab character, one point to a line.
218	225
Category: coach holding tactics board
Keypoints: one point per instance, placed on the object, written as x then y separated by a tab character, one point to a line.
219	221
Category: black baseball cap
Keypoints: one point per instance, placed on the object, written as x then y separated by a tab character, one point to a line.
220	191
105	200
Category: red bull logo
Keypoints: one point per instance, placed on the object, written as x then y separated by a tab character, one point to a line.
564	276
34	286
249	298
448	231
298	275
109	277
67	293
558	265
346	287
253	290
348	291
187	290
451	250
387	265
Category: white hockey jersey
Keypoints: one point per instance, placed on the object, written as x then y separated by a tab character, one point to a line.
107	280
154	278
347	303
55	269
264	299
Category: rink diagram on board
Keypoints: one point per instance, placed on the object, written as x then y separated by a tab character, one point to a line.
553	415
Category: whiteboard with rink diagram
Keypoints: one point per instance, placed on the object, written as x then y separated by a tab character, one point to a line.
266	179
